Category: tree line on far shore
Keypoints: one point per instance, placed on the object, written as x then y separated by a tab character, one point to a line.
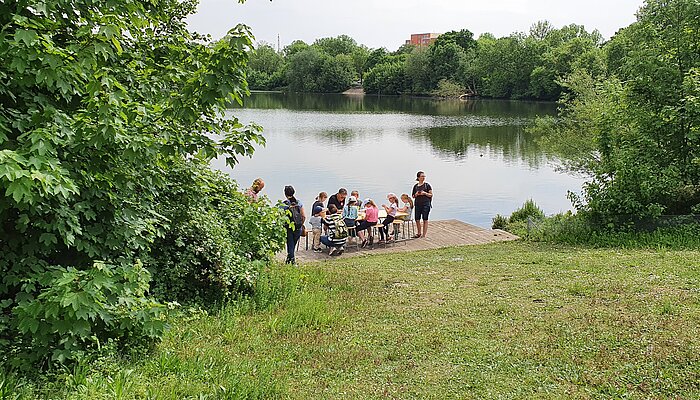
520	66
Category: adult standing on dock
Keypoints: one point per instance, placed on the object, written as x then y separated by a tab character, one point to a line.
423	195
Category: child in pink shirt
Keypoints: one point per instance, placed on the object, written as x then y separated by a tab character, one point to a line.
371	219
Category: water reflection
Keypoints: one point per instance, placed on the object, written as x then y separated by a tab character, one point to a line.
508	142
339	103
475	153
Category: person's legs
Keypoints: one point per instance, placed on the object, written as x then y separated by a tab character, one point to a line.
316	242
327	241
339	250
361	227
371	234
417	214
419	229
291	244
426	212
297	236
387	222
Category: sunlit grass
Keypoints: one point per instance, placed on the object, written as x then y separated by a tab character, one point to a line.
516	320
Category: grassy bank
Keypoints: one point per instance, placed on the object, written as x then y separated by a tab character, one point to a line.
515	320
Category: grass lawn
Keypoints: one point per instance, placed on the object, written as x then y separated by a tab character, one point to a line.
514	320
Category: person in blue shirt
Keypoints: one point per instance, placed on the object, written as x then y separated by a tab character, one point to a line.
350	212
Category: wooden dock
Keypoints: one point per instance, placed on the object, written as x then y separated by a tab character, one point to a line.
440	234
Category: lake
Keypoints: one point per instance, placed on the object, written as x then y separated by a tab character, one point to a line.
475	153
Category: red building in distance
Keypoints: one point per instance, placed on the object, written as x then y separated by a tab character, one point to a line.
422	39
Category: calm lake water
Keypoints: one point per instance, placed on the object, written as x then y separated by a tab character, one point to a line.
474	153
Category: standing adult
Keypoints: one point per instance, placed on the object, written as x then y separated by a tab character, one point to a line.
254	189
338	199
423	195
297	218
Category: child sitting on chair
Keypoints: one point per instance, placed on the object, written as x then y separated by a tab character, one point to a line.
391	210
371	219
350	212
407	207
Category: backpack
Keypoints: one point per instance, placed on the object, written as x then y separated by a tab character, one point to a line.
341	230
296	218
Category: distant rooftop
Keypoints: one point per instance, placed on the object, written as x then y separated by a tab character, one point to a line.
422	39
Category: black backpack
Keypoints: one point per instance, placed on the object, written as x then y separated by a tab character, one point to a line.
296	218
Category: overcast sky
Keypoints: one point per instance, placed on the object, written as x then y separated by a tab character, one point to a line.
388	23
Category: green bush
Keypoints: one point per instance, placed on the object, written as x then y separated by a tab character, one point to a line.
528	210
216	240
576	229
448	88
387	78
78	310
499	222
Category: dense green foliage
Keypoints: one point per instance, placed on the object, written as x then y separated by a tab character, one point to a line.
78	310
99	101
636	131
216	241
576	229
518	66
312	70
386	78
328	65
529	223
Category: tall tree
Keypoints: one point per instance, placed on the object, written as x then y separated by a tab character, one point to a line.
97	99
359	59
505	65
463	38
643	121
418	71
294	47
265	68
334	46
312	70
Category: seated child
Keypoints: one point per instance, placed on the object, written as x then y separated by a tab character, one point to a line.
371	219
407	207
356	195
320	199
350	212
391	210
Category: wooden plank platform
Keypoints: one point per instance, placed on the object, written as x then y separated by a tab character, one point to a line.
440	234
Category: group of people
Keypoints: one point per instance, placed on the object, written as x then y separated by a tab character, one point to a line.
335	218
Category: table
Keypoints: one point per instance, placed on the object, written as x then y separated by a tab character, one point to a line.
382	214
